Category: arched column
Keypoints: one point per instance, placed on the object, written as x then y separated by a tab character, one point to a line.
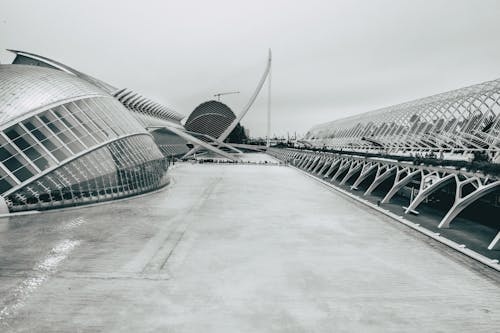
383	173
304	161
332	168
368	169
424	191
462	202
308	162
344	165
326	165
353	168
315	164
319	165
400	182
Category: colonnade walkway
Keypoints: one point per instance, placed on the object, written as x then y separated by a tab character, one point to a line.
236	248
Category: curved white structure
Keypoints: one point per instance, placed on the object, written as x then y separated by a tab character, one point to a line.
463	120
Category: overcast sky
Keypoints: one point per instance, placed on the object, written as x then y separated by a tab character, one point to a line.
331	58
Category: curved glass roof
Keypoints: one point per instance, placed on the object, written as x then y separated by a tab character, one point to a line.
26	58
26	88
211	118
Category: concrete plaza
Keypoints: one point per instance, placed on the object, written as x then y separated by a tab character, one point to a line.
236	248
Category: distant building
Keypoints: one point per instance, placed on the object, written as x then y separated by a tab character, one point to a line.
211	118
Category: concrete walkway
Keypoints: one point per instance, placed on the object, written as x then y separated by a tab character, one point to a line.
236	248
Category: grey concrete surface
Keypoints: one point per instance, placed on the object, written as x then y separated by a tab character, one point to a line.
236	248
476	236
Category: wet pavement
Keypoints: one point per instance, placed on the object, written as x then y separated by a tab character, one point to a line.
236	248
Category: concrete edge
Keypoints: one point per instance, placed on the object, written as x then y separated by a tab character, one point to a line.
492	263
107	202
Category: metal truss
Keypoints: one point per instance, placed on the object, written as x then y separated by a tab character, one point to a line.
459	121
150	111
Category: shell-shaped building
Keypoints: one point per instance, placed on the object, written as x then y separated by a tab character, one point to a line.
67	141
211	118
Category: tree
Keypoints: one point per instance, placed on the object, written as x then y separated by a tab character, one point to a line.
237	135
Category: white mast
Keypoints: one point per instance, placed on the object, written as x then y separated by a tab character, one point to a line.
268	143
235	122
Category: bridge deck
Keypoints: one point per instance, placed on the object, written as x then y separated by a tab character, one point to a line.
236	248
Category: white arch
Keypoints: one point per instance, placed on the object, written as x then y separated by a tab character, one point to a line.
462	203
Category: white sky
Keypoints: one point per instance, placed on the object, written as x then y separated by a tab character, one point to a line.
331	58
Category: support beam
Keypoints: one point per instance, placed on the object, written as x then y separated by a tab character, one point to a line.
344	165
332	168
425	192
319	165
303	161
383	173
199	142
462	203
355	166
399	183
310	161
314	164
368	169
325	167
495	243
216	142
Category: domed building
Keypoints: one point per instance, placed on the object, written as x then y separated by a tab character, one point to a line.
210	118
65	141
67	138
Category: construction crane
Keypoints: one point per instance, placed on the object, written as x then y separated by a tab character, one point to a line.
225	93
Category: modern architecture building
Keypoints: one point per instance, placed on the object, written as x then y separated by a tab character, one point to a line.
441	152
211	118
66	141
68	138
461	121
148	113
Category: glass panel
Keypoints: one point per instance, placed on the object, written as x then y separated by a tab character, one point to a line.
129	166
15	162
56	126
84	119
47	139
101	116
80	120
30	147
90	113
6	182
72	125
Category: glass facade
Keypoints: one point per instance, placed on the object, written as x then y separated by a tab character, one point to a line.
85	150
122	168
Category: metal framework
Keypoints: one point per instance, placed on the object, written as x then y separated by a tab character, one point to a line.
460	121
148	112
210	118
